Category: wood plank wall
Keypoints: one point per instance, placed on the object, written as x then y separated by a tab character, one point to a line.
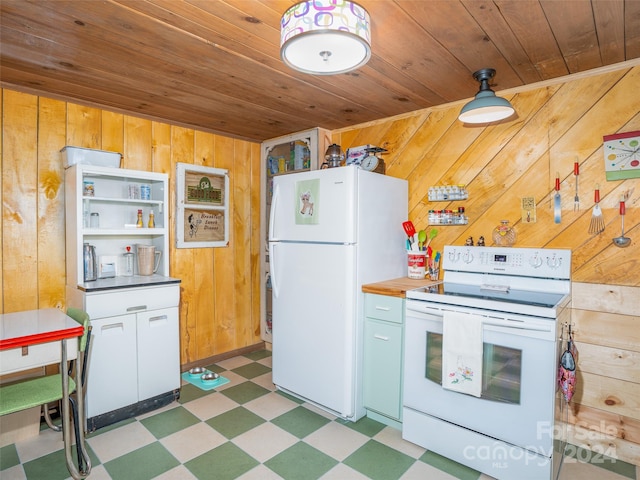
217	311
558	123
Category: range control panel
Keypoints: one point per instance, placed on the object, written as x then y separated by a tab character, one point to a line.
525	262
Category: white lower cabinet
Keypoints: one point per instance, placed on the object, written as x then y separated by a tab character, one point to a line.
158	352
112	380
134	356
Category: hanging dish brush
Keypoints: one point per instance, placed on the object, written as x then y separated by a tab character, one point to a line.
597	220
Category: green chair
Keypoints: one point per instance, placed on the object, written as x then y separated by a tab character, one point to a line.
34	392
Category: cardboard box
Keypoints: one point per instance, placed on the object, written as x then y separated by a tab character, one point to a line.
89	156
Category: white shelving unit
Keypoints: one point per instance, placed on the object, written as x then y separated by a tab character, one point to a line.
117	216
135	349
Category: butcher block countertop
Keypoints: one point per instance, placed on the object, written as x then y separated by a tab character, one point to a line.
397	287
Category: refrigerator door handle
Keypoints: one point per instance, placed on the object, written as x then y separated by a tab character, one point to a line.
274	282
272	216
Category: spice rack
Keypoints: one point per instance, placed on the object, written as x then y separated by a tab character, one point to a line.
448	193
448	217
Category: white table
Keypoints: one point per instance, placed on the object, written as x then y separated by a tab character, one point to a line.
36	338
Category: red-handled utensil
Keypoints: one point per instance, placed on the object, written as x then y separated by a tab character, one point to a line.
409	229
557	201
622	241
597	220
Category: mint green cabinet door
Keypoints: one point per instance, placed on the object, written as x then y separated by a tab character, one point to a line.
382	381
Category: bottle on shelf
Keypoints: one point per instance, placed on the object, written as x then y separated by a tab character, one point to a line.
139	223
152	222
128	262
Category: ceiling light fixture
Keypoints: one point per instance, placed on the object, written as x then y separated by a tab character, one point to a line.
325	37
486	107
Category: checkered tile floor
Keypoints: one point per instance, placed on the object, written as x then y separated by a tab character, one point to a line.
246	430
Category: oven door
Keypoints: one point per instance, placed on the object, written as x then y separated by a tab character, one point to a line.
519	372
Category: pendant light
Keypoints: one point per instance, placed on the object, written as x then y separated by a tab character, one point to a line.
486	107
325	37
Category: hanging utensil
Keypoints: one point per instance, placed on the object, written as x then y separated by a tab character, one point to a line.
622	241
576	199
597	220
557	201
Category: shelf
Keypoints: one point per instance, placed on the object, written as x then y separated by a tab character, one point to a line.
124	231
448	193
450	224
128	201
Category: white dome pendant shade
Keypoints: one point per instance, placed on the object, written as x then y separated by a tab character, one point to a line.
325	37
486	107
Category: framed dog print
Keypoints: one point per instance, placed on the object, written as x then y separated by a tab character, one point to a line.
202	206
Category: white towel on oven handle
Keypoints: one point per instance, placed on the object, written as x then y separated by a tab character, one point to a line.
462	353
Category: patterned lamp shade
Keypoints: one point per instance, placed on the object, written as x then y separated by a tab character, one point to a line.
325	37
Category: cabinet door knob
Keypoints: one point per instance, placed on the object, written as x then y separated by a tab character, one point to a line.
384	309
381	337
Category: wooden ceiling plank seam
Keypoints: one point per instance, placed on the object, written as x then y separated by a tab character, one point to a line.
574	29
632	29
609	22
421	58
529	24
458	32
489	17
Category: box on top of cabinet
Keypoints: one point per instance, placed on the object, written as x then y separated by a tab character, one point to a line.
90	156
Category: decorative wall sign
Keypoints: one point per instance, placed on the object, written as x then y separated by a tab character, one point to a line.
202	206
528	209
622	155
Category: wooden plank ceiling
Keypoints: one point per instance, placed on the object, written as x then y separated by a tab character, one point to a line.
215	65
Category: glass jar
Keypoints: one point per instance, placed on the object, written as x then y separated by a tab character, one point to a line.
504	235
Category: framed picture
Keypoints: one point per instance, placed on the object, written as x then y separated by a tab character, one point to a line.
202	218
622	155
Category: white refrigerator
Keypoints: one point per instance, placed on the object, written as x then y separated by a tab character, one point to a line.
330	232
